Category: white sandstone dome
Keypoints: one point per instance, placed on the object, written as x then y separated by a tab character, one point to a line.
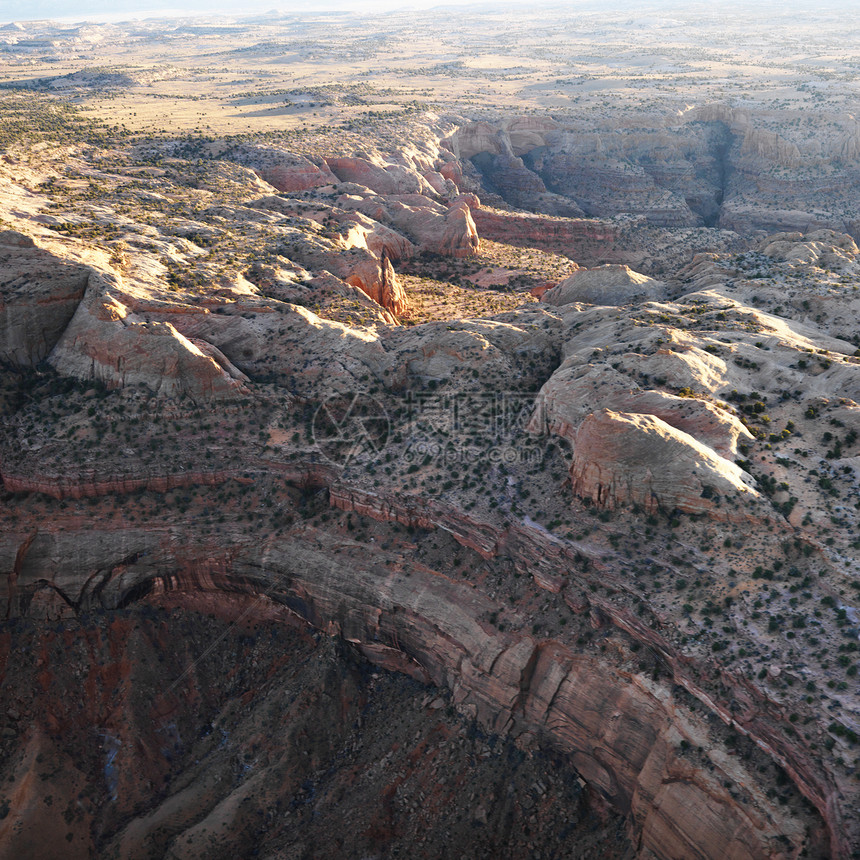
605	285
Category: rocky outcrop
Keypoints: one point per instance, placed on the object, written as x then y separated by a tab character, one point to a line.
336	229
627	734
514	136
386	210
381	285
748	217
105	342
391	179
91	483
299	175
319	356
634	458
583	240
327	292
824	248
574	392
85	485
360	251
289	172
269	337
432	227
618	733
39	294
459	235
476	137
605	285
74	316
376	278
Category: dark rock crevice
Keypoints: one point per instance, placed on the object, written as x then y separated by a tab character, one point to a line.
621	178
721	144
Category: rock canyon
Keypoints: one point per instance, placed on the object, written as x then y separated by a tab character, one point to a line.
415	449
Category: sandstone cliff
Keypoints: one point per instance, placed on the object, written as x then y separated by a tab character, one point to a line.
712	164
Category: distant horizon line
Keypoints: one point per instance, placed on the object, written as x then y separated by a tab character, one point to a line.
263	9
102	12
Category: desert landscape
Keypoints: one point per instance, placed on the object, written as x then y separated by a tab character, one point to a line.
431	434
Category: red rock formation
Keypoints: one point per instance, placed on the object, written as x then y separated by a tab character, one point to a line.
460	236
625	729
539	291
429	225
88	484
377	238
587	241
101	343
452	171
386	181
362	257
622	730
286	171
291	178
377	279
326	288
538	553
83	485
392	294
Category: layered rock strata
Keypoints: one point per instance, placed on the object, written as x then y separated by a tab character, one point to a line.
625	736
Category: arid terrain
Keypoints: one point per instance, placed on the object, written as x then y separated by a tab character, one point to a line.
431	435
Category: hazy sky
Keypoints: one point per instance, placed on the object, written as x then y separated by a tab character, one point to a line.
117	10
113	10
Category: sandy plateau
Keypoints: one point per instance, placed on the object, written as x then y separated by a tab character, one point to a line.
430	441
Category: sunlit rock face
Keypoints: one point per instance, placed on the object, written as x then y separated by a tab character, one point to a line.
639	459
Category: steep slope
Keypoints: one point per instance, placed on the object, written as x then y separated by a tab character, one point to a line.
743	169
